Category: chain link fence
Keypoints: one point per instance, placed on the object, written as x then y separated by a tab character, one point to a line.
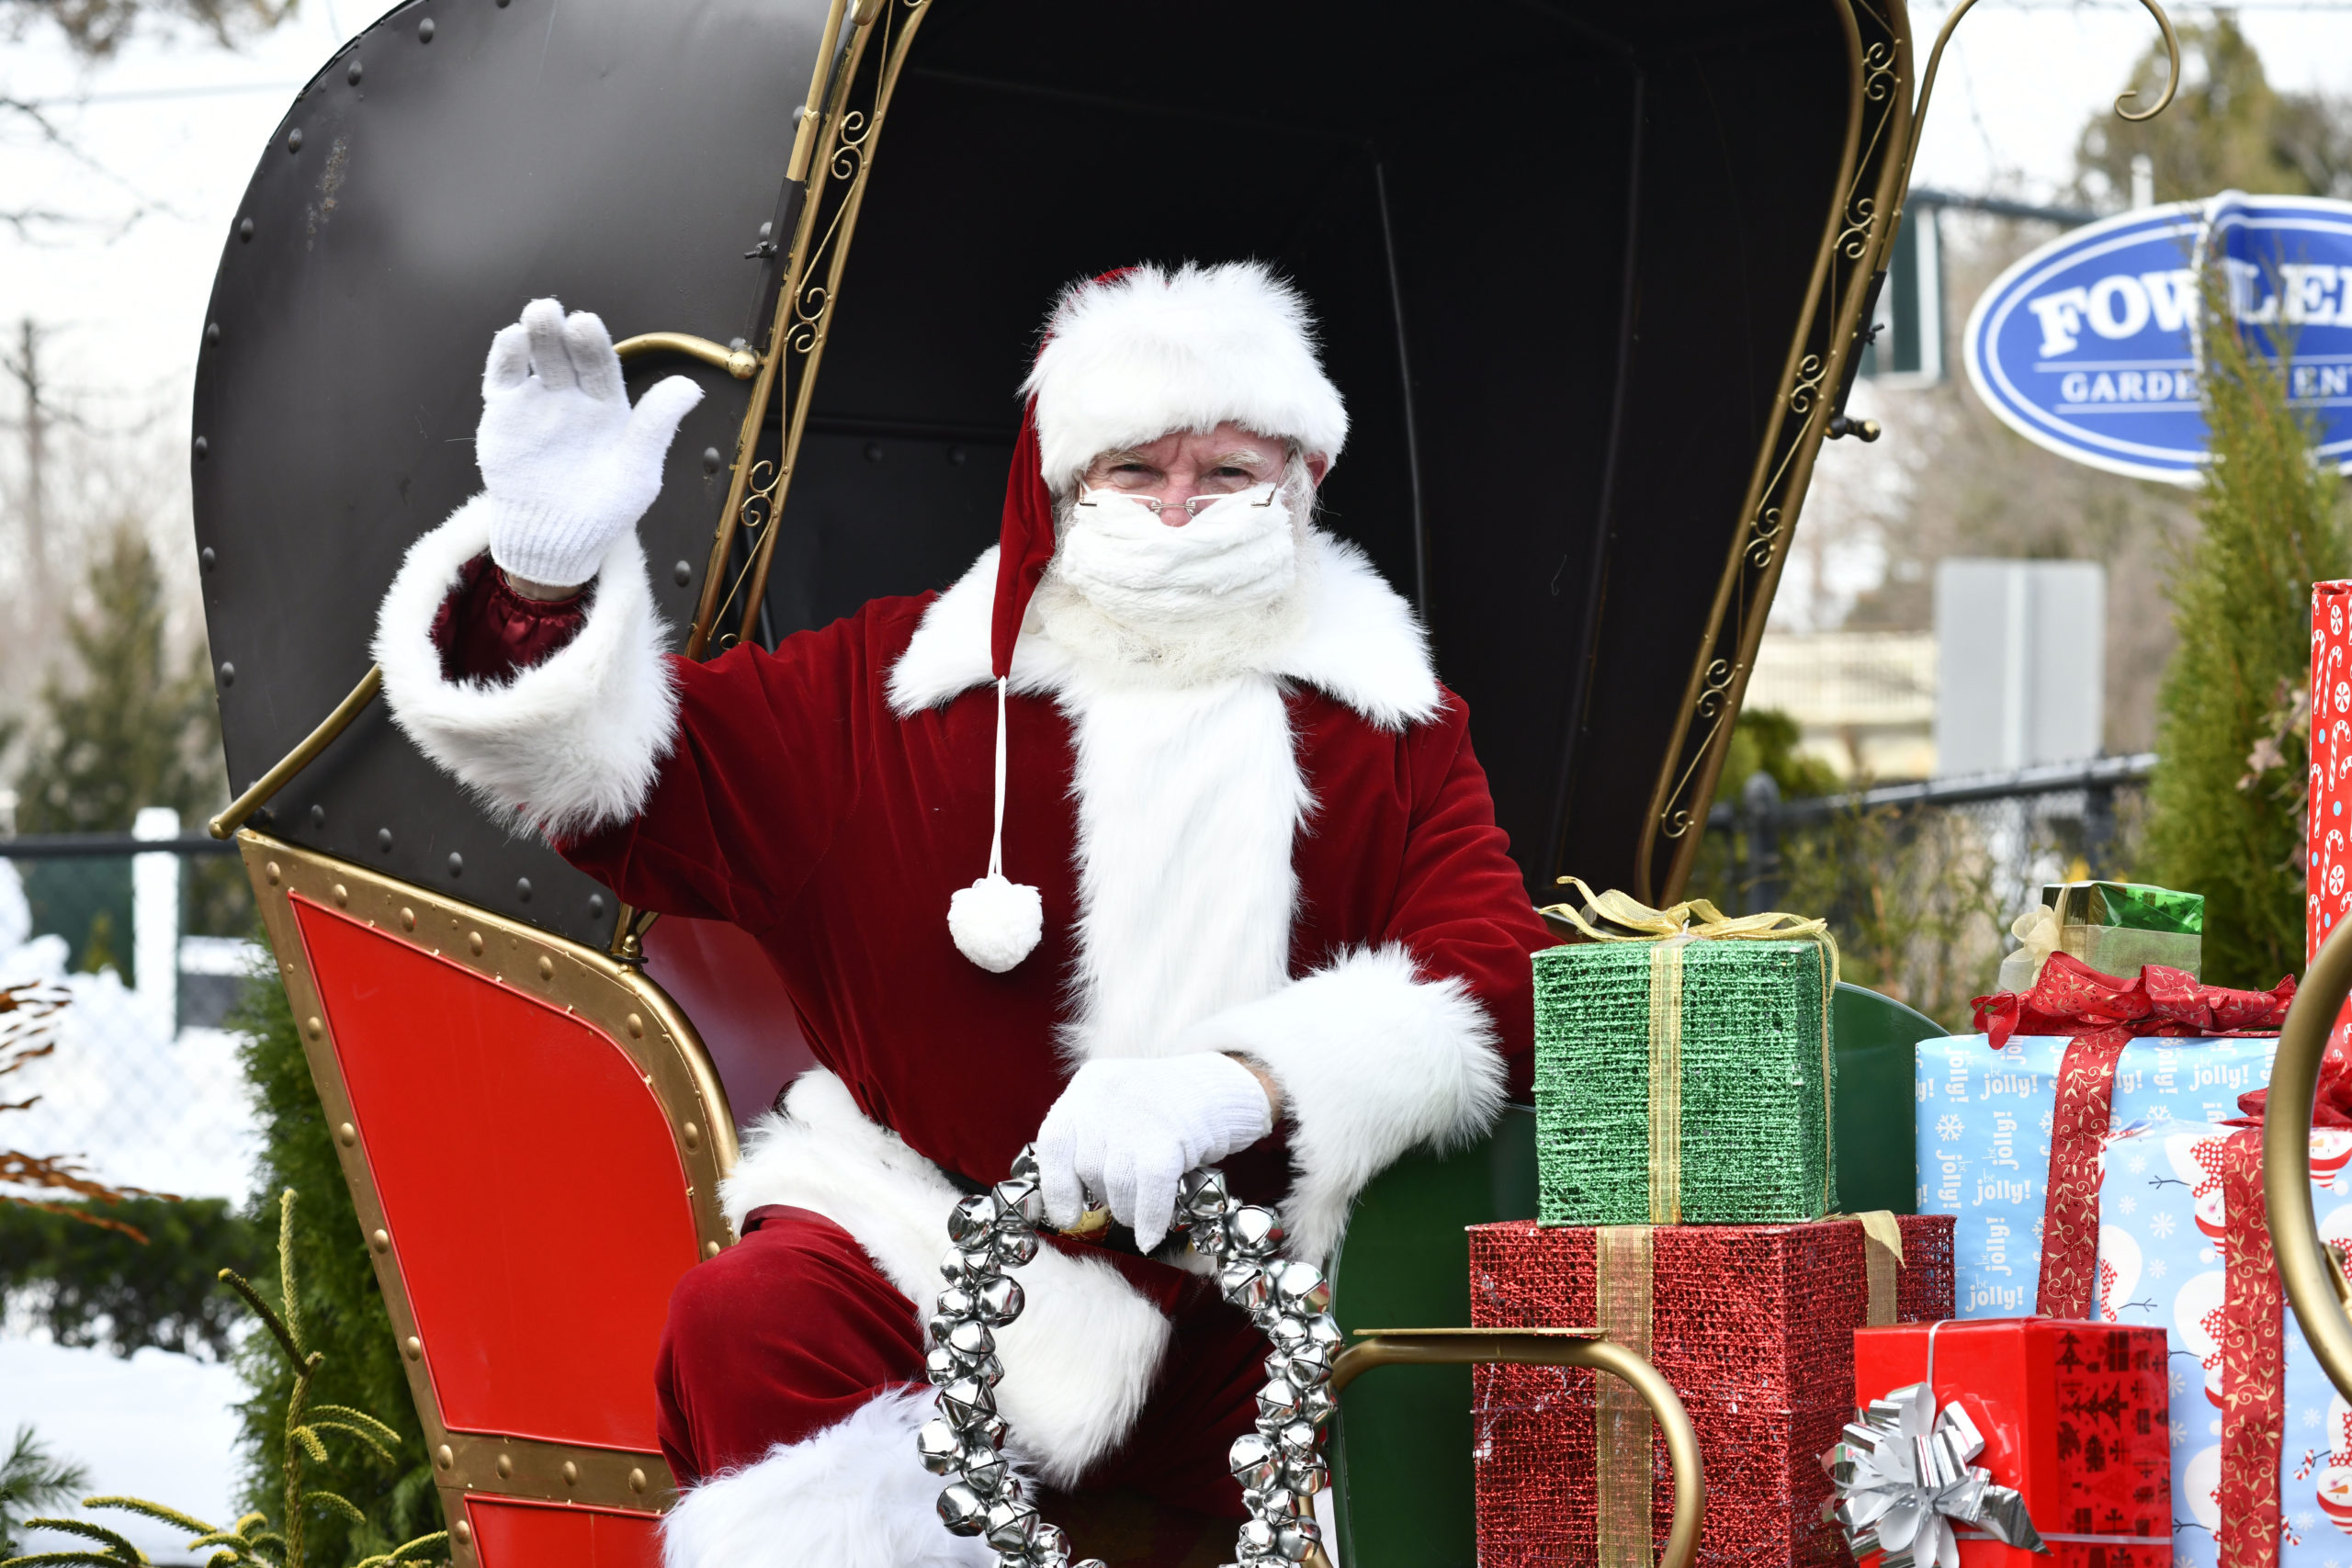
1920	881
149	933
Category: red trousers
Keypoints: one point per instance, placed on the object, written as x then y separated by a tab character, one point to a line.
792	1329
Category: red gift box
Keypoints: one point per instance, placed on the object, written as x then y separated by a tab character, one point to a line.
1753	1327
2075	1416
2328	831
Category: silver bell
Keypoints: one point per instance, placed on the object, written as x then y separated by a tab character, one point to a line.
972	1219
1025	1165
1000	1301
1010	1523
1300	1287
941	1449
966	1403
1277	1401
961	1509
1254	1232
1246	1286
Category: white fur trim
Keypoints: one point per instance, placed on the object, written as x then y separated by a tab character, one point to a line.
1187	802
850	1497
1360	644
570	745
1065	1410
1131	360
1373	1061
996	922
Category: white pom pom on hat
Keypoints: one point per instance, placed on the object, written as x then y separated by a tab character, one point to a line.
1129	357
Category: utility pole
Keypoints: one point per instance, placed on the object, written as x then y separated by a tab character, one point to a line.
25	368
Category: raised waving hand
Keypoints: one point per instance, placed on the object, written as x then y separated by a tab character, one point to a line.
568	465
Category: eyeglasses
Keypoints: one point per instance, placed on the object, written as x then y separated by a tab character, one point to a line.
1192	507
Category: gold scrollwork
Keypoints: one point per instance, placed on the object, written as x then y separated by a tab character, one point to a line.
1810	370
855	105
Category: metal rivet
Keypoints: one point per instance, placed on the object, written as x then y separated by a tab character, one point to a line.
383	838
571	1473
710	1249
212	332
711	459
313	1027
957	455
415	1349
635	1027
202	448
595	906
684	571
694	1137
408	919
547	967
294	140
636	1481
456	863
270	871
342	895
473	943
874	451
346	1134
380	1240
425	30
442	1456
228	674
318	816
207	557
245	229
523	888
464	1533
353	74
506	1466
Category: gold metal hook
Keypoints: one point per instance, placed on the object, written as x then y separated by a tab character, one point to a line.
1936	58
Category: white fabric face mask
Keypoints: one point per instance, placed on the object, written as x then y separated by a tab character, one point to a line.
1238	556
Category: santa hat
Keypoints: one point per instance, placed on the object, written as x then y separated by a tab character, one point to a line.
1129	357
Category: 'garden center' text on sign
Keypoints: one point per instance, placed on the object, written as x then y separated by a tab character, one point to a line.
2089	346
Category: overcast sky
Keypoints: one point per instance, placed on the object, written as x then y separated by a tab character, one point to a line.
178	124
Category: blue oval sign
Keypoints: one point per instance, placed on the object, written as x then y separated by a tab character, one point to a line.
2089	346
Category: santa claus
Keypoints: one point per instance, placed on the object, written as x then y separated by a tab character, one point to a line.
1240	896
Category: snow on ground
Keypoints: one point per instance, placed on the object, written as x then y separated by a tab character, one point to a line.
158	1426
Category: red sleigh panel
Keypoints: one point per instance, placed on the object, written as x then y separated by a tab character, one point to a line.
534	1139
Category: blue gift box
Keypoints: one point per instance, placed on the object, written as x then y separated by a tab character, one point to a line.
2161	1263
1984	1120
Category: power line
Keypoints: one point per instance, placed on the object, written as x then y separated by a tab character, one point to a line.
150	94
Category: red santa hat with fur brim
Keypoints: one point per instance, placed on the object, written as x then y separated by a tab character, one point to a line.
1129	357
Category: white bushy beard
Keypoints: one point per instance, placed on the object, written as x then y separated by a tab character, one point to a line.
1130	595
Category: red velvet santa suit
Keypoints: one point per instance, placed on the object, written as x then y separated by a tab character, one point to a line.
1297	862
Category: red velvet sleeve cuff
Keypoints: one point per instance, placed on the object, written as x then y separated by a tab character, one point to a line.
486	631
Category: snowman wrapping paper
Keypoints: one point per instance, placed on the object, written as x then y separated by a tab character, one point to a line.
1983	1138
2327	886
2161	1262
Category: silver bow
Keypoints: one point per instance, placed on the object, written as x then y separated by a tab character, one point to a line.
1904	1480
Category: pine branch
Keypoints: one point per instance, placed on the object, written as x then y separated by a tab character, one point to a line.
382	1433
374	1446
61	1559
153	1511
335	1502
262	1309
121	1548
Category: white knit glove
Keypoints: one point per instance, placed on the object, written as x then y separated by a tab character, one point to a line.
1128	1130
568	465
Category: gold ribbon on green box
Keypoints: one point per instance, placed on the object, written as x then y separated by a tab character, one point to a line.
1614	915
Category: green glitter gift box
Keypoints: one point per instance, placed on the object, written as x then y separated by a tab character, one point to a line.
1684	1079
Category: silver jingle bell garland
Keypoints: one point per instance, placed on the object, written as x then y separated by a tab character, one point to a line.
1280	1465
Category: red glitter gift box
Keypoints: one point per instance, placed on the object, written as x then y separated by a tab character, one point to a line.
2075	1416
1753	1327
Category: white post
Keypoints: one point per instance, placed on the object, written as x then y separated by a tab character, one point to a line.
156	916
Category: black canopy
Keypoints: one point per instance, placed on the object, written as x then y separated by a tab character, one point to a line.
1581	271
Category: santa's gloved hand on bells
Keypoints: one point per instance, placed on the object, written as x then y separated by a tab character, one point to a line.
1128	1129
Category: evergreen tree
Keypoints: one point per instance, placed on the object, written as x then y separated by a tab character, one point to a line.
2230	130
2222	821
342	1309
122	724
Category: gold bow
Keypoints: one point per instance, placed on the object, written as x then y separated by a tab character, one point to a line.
1621	916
